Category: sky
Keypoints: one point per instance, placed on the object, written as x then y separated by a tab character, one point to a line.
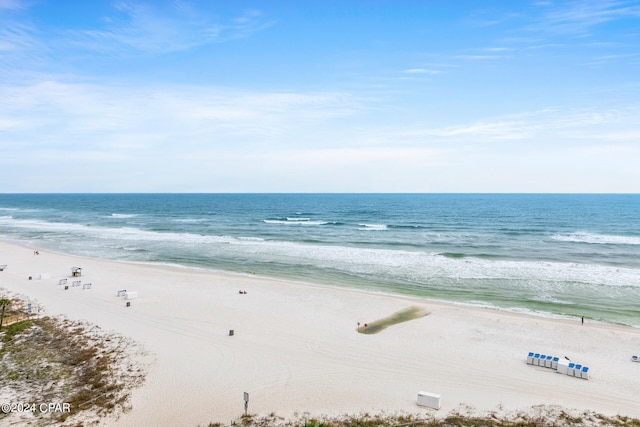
320	96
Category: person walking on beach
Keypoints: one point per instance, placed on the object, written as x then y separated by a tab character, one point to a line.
583	320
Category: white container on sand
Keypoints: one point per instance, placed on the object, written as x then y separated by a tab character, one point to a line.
430	400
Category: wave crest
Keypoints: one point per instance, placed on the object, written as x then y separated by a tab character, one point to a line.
595	238
372	227
294	221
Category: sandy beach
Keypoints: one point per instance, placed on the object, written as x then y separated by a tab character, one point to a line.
295	347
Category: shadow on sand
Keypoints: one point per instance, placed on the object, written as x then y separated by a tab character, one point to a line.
398	317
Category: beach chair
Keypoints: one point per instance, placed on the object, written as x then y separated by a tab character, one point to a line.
76	283
635	358
2	267
530	358
584	374
543	357
62	282
577	371
554	363
570	369
548	362
536	359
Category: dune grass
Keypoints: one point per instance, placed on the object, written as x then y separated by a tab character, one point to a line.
537	416
53	359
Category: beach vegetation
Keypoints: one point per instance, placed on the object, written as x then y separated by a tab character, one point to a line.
15	328
4	302
52	359
538	416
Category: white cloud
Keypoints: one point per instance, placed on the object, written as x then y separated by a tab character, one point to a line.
560	124
420	71
12	4
497	49
69	113
579	17
402	133
142	27
21	51
478	57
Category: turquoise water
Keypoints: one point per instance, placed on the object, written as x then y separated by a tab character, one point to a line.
572	255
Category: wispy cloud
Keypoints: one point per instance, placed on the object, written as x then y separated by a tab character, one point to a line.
93	116
478	57
27	50
608	59
144	28
420	71
21	51
496	49
579	17
17	37
12	5
561	124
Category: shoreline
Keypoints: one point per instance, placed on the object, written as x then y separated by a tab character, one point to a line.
296	348
341	287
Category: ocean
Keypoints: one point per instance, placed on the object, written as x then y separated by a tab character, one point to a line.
567	255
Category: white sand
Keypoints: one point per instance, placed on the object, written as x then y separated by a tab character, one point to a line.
295	347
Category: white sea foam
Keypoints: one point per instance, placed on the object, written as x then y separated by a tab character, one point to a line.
39	225
250	239
420	267
288	221
189	220
372	227
595	238
550	281
118	215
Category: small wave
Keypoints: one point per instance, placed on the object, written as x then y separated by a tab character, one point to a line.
250	239
479	255
594	238
131	249
372	227
407	227
453	255
298	219
294	222
550	299
274	221
117	215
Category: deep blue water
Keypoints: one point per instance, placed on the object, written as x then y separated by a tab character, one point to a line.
554	254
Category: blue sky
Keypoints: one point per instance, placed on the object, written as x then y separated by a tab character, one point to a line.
319	96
